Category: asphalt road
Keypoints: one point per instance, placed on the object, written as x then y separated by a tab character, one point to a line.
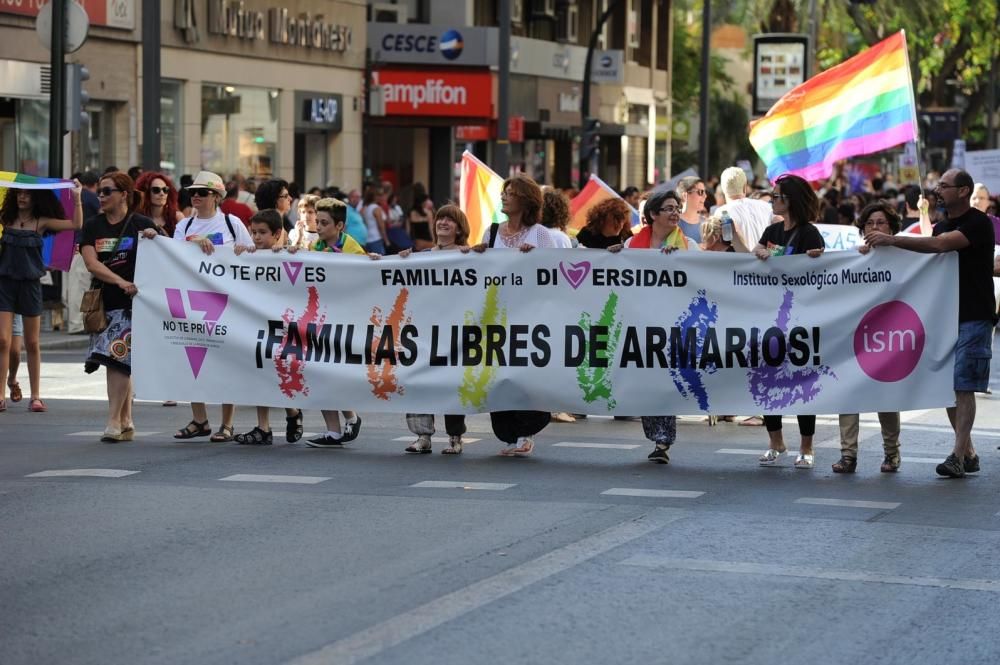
179	552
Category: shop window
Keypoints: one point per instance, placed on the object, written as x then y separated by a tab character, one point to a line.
96	139
33	136
171	127
239	130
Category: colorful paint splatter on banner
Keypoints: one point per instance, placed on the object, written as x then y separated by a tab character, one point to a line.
776	388
58	248
291	378
382	375
700	315
478	381
595	382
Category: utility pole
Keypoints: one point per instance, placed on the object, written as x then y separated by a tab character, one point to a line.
501	148
151	147
589	126
57	89
706	36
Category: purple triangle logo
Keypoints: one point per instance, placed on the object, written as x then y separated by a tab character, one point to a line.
196	358
292	269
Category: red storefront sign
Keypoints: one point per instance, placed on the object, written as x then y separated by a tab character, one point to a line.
515	132
435	93
108	13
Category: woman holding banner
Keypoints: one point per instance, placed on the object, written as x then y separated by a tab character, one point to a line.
878	216
25	215
521	200
608	224
795	202
660	231
109	247
693	194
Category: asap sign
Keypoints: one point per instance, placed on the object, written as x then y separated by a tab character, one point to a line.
462	94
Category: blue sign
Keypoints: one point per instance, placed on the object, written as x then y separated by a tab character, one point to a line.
451	44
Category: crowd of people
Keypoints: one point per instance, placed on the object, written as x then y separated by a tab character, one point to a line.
111	211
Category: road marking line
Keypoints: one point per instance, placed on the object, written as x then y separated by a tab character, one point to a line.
784	570
83	473
745	451
398	629
921	460
263	478
98	434
666	494
609	446
739	451
849	503
435	439
449	484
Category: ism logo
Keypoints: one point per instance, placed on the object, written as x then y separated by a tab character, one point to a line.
451	44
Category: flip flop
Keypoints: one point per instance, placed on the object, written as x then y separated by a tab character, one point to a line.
15	392
37	406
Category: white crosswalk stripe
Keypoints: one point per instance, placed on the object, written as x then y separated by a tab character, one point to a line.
82	473
660	494
462	485
849	503
608	446
264	478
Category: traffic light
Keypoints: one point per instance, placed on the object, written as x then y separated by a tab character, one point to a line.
591	140
76	97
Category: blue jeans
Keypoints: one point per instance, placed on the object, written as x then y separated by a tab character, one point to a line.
375	247
972	356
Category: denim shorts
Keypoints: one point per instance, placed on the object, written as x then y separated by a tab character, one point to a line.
18	326
972	356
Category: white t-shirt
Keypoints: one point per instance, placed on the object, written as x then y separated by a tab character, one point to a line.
750	218
303	238
368	212
536	236
214	228
560	238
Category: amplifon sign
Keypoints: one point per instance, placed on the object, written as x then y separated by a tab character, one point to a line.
436	93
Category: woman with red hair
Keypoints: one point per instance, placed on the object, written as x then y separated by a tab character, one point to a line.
159	201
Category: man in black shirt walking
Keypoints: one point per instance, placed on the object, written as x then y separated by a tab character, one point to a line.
969	232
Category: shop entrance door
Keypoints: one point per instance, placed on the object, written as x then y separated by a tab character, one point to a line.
312	164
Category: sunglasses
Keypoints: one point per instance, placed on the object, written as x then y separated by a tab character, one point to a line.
201	192
159	190
699	192
670	210
107	191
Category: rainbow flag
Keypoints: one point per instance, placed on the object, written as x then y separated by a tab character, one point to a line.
861	106
57	250
595	191
479	196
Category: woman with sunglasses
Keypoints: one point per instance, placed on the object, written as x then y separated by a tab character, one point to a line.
209	227
692	192
159	201
795	202
109	247
25	215
879	216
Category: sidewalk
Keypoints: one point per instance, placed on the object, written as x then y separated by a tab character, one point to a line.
52	340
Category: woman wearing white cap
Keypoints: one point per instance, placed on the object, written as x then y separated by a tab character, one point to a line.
209	227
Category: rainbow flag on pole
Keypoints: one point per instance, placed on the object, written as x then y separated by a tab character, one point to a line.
861	106
57	252
595	191
479	196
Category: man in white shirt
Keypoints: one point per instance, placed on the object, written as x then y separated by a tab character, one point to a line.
209	226
750	217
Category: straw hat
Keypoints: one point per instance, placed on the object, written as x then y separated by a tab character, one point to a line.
208	180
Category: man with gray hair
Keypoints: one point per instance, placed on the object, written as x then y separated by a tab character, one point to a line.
750	217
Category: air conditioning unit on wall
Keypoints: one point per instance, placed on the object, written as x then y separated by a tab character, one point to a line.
386	13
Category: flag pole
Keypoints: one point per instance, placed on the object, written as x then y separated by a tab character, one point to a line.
916	126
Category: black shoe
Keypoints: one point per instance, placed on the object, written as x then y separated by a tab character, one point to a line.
351	430
255	437
951	467
325	442
971	464
659	455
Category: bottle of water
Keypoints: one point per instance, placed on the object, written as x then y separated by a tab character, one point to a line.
727	227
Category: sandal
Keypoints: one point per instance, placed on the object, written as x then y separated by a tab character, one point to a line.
421	445
890	464
3	405
805	461
770	457
15	392
255	437
523	450
294	430
193	429
752	421
128	434
223	434
37	406
454	446
845	465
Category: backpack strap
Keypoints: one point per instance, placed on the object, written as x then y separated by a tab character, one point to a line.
494	229
187	226
229	225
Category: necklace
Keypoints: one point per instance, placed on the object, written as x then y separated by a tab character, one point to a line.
513	239
451	244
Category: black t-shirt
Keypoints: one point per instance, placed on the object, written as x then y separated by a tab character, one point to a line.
975	264
798	240
118	254
596	241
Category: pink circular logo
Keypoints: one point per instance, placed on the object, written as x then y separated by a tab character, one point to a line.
889	341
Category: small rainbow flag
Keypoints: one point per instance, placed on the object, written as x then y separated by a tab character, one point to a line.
479	196
863	105
595	191
57	251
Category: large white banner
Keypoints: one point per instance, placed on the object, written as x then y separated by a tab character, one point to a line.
586	331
